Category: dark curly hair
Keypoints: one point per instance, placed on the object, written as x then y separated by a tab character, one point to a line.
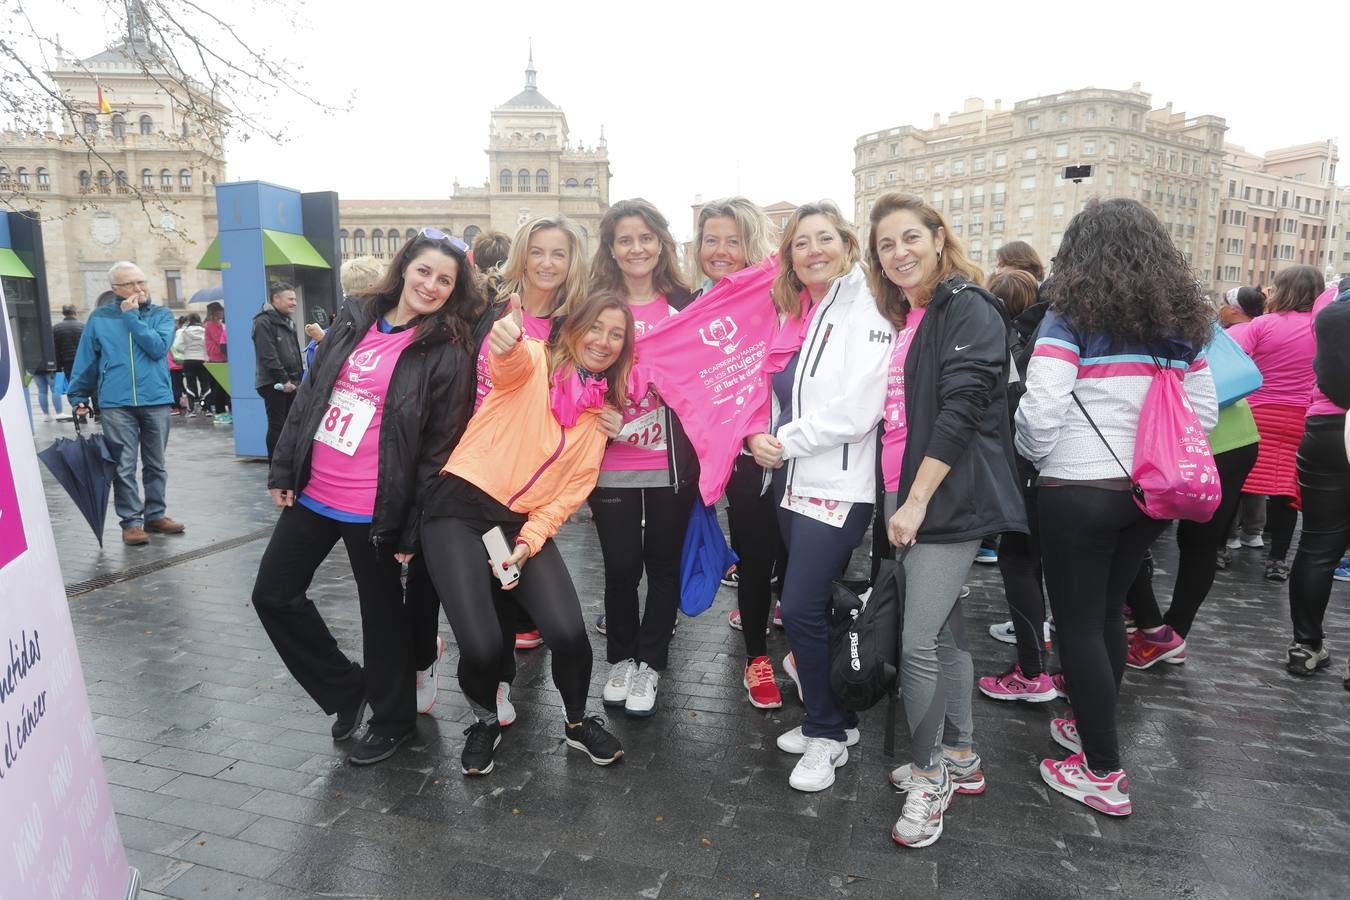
1117	272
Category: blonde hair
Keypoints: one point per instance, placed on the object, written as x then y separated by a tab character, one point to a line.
605	272
787	287
359	275
952	259
754	228
573	288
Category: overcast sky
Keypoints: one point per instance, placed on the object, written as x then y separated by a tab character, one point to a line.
754	98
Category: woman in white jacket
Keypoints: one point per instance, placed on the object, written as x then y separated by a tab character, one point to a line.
828	401
189	348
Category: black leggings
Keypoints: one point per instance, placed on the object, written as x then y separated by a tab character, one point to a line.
1092	543
1281	517
1199	543
196	382
753	518
300	543
1324	482
1019	562
458	565
627	547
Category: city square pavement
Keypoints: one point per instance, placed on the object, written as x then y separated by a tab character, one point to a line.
227	784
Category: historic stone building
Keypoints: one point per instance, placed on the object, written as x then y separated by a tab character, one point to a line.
533	170
136	183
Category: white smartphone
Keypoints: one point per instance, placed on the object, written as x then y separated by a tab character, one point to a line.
499	551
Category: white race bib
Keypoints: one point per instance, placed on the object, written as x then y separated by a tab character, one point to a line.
646	432
831	512
345	421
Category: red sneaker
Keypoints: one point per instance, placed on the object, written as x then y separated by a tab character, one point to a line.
528	640
759	683
1147	650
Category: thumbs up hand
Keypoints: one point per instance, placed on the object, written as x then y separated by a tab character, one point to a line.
507	331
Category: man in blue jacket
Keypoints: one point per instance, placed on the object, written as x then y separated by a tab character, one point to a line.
123	354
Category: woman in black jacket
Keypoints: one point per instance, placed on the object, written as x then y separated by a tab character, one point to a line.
387	399
948	480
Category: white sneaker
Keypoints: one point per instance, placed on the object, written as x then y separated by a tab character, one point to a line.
790	667
1003	631
815	770
795	742
427	682
506	713
1253	541
1234	543
620	680
641	700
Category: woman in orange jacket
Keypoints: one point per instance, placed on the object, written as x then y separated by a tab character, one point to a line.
527	461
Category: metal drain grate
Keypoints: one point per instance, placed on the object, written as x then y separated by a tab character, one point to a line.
102	581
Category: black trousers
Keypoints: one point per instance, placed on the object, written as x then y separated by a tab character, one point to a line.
628	547
1199	543
459	569
753	518
300	543
1019	562
1324	482
196	382
1092	543
1281	519
278	404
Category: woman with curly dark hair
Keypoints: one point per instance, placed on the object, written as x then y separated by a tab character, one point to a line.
1123	302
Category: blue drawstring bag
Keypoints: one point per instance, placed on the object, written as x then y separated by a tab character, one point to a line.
1235	375
705	559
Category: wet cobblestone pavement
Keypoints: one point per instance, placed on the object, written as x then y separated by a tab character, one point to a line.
227	783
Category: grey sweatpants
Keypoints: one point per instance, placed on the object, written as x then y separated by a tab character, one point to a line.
937	676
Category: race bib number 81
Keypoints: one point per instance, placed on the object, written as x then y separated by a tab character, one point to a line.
345	421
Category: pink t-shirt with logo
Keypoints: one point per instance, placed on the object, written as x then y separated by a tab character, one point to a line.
642	442
894	425
535	327
344	468
1282	346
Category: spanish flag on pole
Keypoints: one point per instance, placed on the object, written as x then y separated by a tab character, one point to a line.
103	105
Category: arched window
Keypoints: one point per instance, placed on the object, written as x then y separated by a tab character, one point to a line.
185	179
523	179
359	241
90	123
147	125
84	180
103	181
4	175
44	180
541	181
393	240
122	185
377	242
22	173
471	234
147	179
506	179
119	125
165	179
571	182
590	182
342	241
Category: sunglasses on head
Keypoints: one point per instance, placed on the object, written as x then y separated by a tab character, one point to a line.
435	234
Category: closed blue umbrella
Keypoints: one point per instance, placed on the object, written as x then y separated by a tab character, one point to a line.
705	560
85	467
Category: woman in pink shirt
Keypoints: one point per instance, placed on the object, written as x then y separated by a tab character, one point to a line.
648	478
1281	344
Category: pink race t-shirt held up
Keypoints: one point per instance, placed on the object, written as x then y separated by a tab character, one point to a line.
894	425
641	444
344	470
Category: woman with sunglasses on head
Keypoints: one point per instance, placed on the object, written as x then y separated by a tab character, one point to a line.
386	401
831	354
529	458
649	477
734	233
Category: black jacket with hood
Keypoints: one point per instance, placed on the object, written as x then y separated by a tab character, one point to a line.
425	412
276	349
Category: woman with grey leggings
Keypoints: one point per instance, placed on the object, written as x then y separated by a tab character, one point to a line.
948	480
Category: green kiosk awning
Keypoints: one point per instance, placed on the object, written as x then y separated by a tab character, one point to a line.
279	249
11	265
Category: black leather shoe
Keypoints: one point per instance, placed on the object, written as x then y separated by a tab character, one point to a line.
350	720
371	748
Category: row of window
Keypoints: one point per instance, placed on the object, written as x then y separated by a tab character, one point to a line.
21	178
353	243
119	125
1264	197
522	181
104	181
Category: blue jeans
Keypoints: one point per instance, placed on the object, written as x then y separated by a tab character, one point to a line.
146	427
45	382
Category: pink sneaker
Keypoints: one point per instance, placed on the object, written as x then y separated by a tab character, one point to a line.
1072	778
1065	733
1057	680
1013	685
1147	650
734	620
778	615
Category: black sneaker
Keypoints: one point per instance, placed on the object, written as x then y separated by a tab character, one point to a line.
350	720
371	748
481	738
591	737
1305	659
1277	570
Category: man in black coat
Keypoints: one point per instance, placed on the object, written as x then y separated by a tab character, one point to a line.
66	337
278	366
